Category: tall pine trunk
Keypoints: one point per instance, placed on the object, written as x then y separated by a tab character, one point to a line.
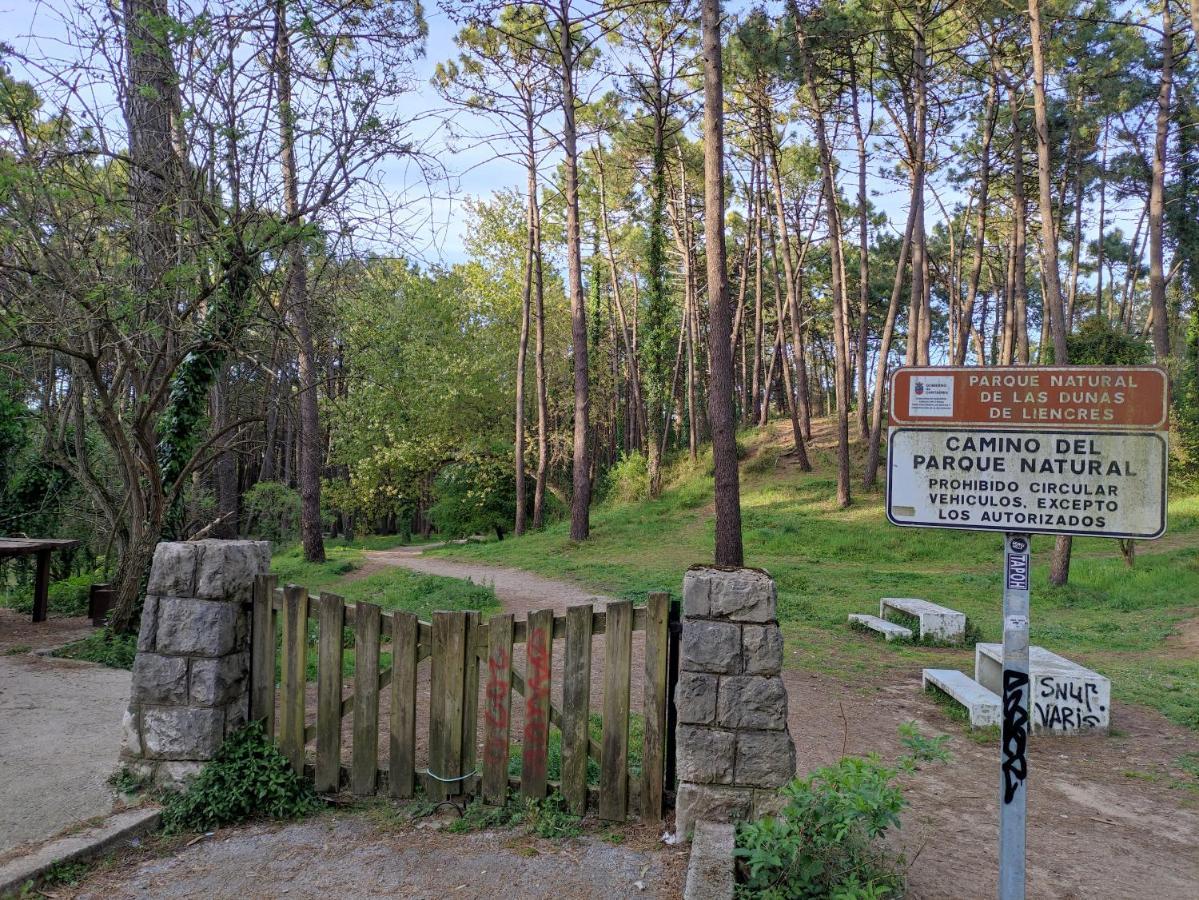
729	550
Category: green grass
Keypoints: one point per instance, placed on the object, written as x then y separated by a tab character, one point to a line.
65	597
104	647
391	588
829	562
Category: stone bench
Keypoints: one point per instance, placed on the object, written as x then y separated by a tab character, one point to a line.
889	630
936	622
1066	697
982	704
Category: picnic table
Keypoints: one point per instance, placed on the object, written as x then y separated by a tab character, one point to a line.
42	547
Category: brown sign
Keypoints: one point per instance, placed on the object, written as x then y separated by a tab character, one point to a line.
1050	397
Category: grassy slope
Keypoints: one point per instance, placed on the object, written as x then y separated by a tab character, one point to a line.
829	562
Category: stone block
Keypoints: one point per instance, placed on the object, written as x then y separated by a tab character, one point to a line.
237	713
227	569
752	701
131	736
174	774
768	802
173	572
695	592
705	755
185	732
711	647
159	679
149	626
761	649
196	627
695	698
764	758
742	595
711	803
215	682
710	869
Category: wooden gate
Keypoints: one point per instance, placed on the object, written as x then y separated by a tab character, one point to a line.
466	655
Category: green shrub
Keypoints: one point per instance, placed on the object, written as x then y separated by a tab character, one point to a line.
546	818
826	842
104	647
247	779
628	480
476	494
66	597
272	510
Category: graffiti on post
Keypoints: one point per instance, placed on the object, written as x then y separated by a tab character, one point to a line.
537	704
495	750
1015	731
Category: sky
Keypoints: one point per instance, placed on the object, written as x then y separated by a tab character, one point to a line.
472	168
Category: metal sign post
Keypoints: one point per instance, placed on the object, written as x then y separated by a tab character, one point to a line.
1013	790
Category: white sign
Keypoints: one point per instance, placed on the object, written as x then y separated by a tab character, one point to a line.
1102	483
931	395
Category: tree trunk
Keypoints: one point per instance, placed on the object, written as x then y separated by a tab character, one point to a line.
522	348
863	251
729	551
1157	191
873	452
1059	565
580	500
1019	296
980	234
296	302
543	440
837	268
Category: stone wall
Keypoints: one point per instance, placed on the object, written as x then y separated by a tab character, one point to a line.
191	674
733	747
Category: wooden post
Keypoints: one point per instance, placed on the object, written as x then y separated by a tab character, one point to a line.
614	757
41	587
402	756
262	654
498	709
365	755
653	767
295	648
445	705
539	648
470	702
576	707
328	693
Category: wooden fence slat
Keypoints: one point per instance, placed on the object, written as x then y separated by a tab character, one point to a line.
445	707
365	755
539	649
470	697
262	654
497	712
401	759
614	764
295	649
653	765
576	706
328	693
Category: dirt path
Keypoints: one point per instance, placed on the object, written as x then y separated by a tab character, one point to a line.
1110	816
60	730
355	855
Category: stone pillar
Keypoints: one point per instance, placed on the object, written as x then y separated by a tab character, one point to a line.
191	673
733	747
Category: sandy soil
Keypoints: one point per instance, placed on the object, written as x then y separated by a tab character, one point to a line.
60	730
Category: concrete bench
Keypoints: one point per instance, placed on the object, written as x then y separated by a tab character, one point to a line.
982	704
1066	697
889	630
937	622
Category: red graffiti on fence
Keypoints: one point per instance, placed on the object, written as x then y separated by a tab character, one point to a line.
495	750
537	704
